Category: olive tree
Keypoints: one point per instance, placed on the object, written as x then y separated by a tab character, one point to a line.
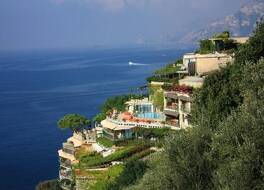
75	122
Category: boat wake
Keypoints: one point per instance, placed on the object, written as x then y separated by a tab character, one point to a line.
136	64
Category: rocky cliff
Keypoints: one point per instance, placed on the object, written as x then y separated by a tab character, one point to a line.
241	23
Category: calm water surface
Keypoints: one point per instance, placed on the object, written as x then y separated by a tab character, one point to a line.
37	88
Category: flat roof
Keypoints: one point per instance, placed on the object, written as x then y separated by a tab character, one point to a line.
76	142
66	155
192	79
208	55
233	38
112	126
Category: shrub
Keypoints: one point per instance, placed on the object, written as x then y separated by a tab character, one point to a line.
96	159
105	142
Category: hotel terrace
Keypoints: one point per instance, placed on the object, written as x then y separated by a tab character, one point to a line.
139	114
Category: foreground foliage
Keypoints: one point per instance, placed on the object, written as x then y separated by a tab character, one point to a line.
132	172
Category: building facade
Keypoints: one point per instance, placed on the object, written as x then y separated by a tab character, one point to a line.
202	64
178	102
67	156
177	108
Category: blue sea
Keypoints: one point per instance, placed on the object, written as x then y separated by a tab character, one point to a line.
39	87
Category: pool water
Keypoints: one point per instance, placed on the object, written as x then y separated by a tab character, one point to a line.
150	115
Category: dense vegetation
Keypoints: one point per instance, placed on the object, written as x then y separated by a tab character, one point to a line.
206	46
156	95
148	133
225	149
105	142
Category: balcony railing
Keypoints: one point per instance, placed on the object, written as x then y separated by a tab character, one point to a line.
171	95
171	112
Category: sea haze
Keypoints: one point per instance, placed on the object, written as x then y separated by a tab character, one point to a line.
37	88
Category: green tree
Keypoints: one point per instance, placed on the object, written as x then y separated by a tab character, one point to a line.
238	147
75	122
254	49
158	99
99	117
206	46
187	157
183	165
218	97
223	35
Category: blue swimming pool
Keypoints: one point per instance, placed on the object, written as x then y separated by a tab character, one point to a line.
150	115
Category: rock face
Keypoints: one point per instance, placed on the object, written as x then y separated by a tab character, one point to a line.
241	23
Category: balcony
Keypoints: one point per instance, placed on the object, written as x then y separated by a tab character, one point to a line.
68	148
171	95
68	151
171	112
67	156
185	98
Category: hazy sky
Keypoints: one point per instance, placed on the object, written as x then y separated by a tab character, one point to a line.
27	24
